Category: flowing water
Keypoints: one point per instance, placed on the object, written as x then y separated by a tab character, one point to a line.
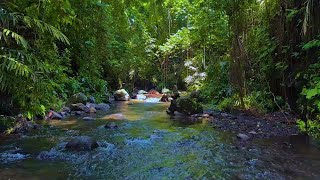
151	145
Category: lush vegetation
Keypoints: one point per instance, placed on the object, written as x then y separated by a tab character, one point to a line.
261	55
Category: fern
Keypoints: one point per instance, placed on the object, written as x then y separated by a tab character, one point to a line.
18	38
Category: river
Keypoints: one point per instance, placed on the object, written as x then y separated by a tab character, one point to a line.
152	145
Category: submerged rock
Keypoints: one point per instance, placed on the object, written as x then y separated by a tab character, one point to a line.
82	143
111	126
48	155
115	117
121	95
8	157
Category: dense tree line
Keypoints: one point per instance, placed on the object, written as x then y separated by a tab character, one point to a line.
247	54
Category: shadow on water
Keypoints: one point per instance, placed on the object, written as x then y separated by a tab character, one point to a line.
149	144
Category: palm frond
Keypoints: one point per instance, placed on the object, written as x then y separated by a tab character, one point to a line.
44	27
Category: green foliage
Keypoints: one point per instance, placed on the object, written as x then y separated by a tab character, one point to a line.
6	123
311	127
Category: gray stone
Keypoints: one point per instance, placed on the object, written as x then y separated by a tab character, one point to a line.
253	133
102	107
91	100
243	137
56	115
79	107
82	143
111	126
89	118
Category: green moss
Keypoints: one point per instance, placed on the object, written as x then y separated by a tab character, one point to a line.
188	106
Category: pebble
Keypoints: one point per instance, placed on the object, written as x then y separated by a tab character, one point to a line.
243	137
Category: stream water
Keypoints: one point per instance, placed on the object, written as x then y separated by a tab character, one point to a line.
151	145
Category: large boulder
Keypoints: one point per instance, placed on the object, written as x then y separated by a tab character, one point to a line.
78	98
186	106
121	95
82	143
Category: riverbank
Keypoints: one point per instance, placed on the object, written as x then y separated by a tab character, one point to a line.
249	126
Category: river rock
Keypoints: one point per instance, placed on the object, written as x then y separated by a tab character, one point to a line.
66	109
91	100
56	115
253	132
165	98
121	95
92	108
142	92
243	137
79	107
188	106
10	157
81	143
24	126
141	97
102	107
48	155
77	98
89	118
111	126
78	113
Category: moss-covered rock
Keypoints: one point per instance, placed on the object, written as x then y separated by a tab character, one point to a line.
188	106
